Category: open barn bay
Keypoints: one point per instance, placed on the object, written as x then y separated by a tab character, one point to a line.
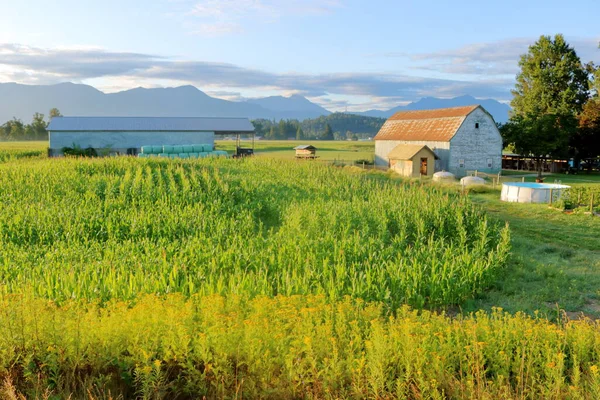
265	278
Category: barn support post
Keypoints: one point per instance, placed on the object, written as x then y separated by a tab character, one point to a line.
551	194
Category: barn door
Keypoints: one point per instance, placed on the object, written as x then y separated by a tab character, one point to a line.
423	168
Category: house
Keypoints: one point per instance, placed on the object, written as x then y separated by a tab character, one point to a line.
126	135
306	151
412	160
463	138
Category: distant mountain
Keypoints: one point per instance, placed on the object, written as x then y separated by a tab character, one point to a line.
22	101
498	110
293	105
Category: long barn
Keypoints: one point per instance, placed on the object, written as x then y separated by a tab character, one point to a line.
126	135
463	138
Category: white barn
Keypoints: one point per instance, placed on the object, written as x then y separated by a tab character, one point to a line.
463	138
126	135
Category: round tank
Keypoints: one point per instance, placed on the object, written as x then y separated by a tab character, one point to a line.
472	181
529	192
444	176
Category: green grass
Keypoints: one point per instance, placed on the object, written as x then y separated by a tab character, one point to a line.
555	262
24	146
326	150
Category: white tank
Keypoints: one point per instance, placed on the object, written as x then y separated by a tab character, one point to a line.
472	181
444	176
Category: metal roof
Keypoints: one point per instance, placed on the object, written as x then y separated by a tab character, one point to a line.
143	124
408	151
305	147
438	125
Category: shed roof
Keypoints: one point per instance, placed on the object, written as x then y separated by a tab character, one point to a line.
438	125
408	151
143	124
305	147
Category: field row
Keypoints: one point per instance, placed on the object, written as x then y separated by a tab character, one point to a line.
120	227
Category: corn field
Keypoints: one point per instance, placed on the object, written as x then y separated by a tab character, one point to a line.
117	228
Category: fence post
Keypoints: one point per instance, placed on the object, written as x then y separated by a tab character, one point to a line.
551	196
523	179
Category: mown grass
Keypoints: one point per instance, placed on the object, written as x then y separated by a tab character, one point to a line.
343	151
555	262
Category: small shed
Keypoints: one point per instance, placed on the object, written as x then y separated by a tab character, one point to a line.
413	160
306	151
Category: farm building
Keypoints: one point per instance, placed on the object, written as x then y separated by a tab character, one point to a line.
463	138
306	151
126	135
412	160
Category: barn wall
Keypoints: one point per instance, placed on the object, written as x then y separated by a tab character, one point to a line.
476	145
383	148
124	140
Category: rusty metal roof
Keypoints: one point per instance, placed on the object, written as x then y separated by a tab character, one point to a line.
408	151
438	125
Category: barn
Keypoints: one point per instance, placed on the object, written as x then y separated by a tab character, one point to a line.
462	138
127	135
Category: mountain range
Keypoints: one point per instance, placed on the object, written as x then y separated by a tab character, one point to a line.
22	101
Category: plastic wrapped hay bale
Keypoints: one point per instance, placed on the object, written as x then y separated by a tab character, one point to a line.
198	148
188	148
168	149
147	150
472	181
444	176
177	149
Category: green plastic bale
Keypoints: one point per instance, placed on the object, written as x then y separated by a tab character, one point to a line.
163	155
177	149
173	155
193	155
143	155
184	155
198	148
146	149
168	149
207	148
202	155
188	148
157	149
219	153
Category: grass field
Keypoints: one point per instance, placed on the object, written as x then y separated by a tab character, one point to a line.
265	278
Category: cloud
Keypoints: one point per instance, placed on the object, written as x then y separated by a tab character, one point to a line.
220	17
121	69
492	58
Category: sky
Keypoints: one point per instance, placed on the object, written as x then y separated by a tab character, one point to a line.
342	54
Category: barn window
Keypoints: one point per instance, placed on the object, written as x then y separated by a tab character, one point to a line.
476	125
461	163
489	163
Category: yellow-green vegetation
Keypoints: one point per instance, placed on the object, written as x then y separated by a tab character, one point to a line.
17	150
288	347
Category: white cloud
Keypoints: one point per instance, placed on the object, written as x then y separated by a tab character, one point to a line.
220	17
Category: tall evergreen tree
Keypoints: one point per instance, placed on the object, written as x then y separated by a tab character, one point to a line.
328	133
299	133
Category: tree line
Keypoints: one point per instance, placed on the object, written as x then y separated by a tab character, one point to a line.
336	126
16	130
555	106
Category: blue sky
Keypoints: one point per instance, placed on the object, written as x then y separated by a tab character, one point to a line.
339	53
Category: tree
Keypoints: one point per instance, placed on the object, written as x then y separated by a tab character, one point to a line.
38	128
299	133
551	90
54	113
271	134
328	133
